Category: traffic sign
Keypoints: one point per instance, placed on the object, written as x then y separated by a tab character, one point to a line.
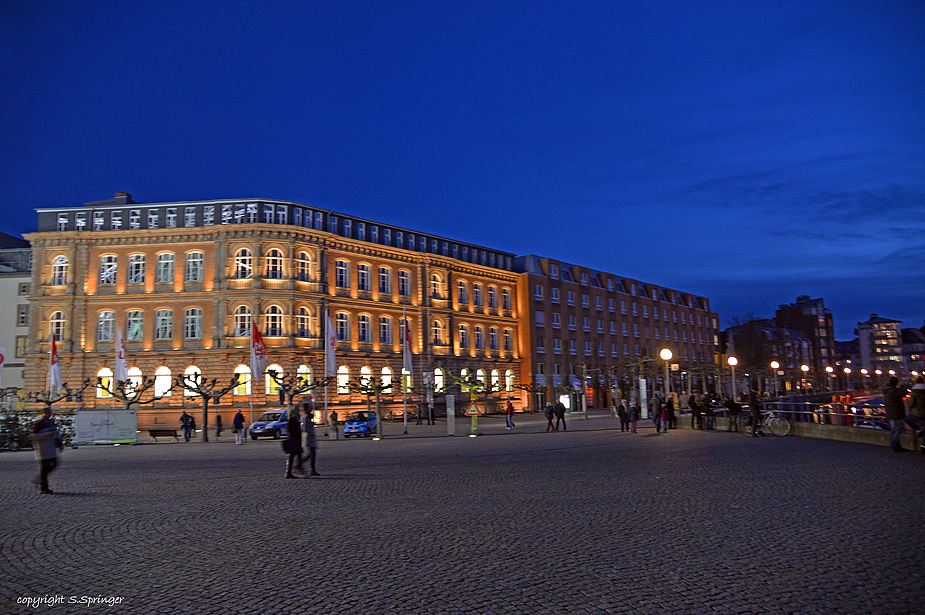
472	410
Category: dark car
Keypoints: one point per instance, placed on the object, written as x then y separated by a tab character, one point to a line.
271	423
361	423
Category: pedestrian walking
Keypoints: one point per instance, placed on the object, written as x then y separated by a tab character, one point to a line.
665	417
560	416
754	407
672	417
417	411
311	442
509	415
696	407
621	414
916	416
293	443
895	409
549	413
633	416
708	411
237	427
656	412
218	426
186	424
46	442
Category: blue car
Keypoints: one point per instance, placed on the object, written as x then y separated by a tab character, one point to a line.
271	423
360	424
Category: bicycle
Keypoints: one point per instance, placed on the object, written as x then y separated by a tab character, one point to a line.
777	425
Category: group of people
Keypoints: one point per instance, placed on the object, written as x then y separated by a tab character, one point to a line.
628	415
895	408
555	412
301	419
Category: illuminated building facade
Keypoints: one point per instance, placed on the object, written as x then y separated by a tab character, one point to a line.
184	281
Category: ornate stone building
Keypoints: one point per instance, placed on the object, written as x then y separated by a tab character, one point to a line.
183	281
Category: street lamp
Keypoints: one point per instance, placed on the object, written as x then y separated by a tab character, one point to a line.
666	355
831	371
805	369
847	377
732	361
775	366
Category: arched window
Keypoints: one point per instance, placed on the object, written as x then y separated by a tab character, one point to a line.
304	267
343	380
106	327
243	373
343	327
192	324
366	375
242	322
271	386
509	381
135	379
274	321
56	326
109	266
404	284
274	264
59	271
164	271
386	378
342	274
104	378
134	325
163	325
436	333
439	380
243	264
303	323
385	281
162	381
192	376
436	286
364	281
194	267
385	330
495	380
406	380
136	269
480	375
304	374
365	331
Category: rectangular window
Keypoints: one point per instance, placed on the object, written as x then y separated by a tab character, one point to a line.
537	292
539	319
165	268
385	280
22	315
267	213
227	213
404	284
21	345
163	325
361	231
136	269
208	215
24	288
80	220
171	218
194	267
363	278
98	220
189	217
115	221
555	320
554	295
135	325
342	274
387	236
134	219
192	324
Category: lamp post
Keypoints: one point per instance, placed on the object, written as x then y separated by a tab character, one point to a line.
879	373
864	375
775	366
666	355
732	361
805	369
847	379
831	372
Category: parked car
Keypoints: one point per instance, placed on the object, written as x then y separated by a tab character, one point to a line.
271	423
871	424
361	423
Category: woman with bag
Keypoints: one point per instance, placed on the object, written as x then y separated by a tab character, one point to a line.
47	443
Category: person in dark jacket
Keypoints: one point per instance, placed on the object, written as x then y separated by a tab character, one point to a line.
895	409
916	417
293	443
47	443
560	416
672	418
186	423
549	413
732	411
237	425
621	412
754	407
311	442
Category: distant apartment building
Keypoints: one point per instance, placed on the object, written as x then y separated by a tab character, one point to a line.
880	344
913	350
600	329
812	318
758	343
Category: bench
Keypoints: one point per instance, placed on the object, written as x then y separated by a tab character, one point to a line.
163	433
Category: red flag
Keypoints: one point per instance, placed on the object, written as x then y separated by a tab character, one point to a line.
258	353
54	367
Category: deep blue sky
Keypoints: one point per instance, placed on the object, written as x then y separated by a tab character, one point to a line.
747	151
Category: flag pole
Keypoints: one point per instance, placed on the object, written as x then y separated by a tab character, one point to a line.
406	349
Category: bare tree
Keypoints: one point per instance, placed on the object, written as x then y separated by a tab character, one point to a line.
206	391
129	393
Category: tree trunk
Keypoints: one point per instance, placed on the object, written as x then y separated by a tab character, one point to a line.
205	419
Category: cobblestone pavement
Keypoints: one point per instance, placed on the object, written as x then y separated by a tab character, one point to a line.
589	520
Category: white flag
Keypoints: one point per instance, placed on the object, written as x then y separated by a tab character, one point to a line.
258	353
330	335
121	369
54	368
2	361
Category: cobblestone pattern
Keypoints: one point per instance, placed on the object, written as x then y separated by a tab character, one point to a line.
515	522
